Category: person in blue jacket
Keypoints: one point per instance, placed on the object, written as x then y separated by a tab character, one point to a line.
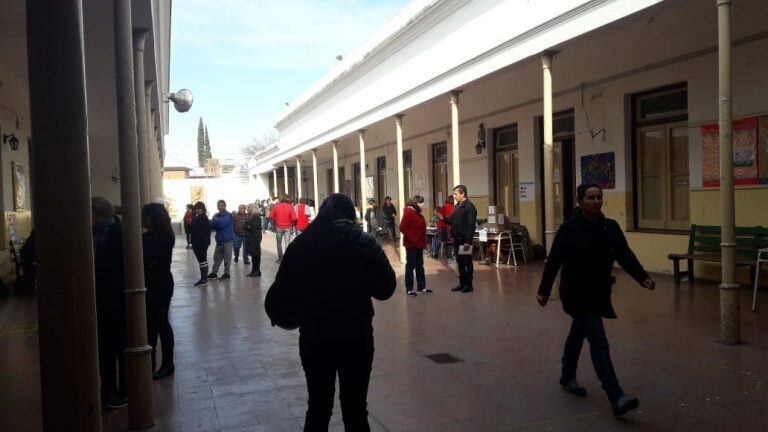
221	222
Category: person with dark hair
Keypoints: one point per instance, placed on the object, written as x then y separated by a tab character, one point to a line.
463	221
414	229
253	238
189	216
324	287
200	230
158	243
239	219
585	248
376	221
225	239
302	216
389	211
110	301
284	218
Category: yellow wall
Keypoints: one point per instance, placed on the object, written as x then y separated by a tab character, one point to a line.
751	206
530	217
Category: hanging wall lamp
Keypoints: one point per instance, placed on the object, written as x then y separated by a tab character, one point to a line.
480	139
12	141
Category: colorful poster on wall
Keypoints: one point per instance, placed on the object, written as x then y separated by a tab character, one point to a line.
599	168
745	163
19	187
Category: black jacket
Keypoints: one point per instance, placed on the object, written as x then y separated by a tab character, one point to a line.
158	251
201	231
586	251
389	212
463	221
109	273
326	280
253	234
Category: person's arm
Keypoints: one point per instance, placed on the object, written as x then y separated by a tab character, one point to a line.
404	221
552	266
383	283
629	262
284	302
215	222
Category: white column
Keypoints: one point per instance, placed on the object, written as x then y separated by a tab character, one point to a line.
455	156
549	183
298	178
335	166
363	203
400	178
274	183
314	179
285	178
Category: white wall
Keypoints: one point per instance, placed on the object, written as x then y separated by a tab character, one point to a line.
230	189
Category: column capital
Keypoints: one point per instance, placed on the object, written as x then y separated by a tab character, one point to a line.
361	131
399	119
546	58
148	86
139	37
455	96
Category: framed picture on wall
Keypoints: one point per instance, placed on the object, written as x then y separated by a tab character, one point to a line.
197	193
19	186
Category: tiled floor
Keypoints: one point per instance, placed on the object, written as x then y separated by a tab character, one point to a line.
234	372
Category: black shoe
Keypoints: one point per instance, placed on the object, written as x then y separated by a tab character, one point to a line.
212	275
574	387
624	404
201	282
236	258
458	288
253	274
246	262
467	289
224	276
163	372
410	293
424	291
116	402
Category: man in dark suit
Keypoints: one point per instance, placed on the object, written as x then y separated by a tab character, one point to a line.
463	221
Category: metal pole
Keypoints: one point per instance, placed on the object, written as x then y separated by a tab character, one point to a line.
361	139
139	38
455	156
314	178
137	353
400	176
730	327
298	178
549	182
335	166
69	372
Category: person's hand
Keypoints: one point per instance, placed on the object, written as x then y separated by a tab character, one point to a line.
439	216
649	284
542	300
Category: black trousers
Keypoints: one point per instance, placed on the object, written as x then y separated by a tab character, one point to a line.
111	333
158	306
464	262
414	262
391	226
353	361
590	327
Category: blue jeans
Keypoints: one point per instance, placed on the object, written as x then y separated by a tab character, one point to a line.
280	234
241	241
590	327
414	262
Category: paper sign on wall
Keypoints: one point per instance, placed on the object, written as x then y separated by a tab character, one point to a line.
527	191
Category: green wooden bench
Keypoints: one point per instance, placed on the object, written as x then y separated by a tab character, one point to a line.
704	245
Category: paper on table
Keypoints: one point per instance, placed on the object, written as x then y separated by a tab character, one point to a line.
465	250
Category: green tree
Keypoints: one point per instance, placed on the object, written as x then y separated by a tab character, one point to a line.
201	138
207	144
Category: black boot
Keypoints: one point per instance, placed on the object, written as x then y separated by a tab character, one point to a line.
256	268
203	276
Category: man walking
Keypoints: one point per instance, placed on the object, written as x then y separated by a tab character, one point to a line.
463	221
221	222
389	211
283	217
239	220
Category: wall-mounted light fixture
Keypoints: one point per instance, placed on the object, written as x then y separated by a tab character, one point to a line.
12	141
480	139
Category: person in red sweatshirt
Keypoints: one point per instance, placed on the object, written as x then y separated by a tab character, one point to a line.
284	218
302	216
414	230
443	227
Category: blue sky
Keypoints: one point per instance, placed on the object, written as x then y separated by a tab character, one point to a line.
243	59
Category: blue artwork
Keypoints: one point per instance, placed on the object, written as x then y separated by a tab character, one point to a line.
599	168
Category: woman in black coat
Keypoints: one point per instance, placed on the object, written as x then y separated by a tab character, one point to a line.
585	247
200	230
324	286
158	249
253	231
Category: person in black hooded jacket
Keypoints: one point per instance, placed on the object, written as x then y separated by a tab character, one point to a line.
585	247
324	287
200	233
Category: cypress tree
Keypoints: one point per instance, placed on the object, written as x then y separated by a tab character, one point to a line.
201	138
207	144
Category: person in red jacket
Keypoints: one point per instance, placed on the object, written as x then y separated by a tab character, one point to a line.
443	227
284	218
302	216
414	229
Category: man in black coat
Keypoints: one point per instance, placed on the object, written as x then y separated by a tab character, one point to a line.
585	247
463	222
324	286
